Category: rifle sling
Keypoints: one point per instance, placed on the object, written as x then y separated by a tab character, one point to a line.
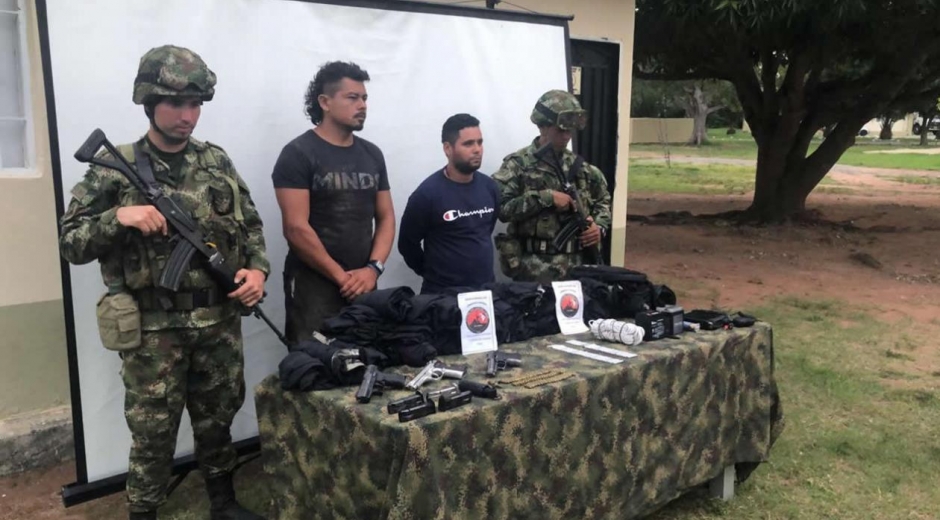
145	173
144	168
575	168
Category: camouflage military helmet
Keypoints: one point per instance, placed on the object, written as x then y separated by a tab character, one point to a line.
560	108
173	71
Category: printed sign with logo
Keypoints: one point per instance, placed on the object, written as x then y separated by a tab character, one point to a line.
478	324
569	307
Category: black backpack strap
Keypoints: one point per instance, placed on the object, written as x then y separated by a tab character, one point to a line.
575	168
144	168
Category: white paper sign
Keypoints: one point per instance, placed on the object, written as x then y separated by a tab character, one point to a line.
569	307
478	322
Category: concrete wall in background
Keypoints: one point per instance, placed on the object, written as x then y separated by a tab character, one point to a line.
34	372
900	128
653	130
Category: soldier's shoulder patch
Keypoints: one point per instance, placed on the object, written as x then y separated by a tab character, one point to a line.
220	155
79	191
515	157
213	145
592	170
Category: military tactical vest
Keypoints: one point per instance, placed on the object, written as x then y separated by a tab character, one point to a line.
537	175
209	193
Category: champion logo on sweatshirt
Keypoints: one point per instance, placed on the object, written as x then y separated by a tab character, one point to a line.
454	214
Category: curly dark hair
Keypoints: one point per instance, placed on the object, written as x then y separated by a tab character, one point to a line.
455	124
326	82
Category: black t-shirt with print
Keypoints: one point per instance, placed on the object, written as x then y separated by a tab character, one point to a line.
343	181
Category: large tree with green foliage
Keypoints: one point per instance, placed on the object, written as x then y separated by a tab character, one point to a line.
797	66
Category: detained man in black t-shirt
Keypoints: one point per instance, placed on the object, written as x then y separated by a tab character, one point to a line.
331	186
453	212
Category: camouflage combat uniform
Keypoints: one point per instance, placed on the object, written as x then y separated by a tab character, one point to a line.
527	180
526	183
191	341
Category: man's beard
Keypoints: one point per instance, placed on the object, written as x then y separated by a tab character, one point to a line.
465	167
355	127
169	139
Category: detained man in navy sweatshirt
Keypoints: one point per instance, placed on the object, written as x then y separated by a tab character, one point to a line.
446	232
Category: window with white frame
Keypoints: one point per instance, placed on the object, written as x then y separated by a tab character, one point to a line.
15	127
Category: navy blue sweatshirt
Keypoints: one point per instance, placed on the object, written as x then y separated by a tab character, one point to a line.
455	221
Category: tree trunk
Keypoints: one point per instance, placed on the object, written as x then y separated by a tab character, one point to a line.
786	175
699	132
886	124
696	107
926	117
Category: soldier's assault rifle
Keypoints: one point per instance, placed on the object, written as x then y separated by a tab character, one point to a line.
189	239
578	221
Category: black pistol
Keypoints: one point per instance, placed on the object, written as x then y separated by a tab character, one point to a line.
376	381
498	361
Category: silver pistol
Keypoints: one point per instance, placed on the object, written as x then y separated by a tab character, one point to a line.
435	370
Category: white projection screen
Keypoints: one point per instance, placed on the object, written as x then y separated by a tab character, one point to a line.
427	62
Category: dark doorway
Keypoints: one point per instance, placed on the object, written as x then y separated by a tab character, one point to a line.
600	74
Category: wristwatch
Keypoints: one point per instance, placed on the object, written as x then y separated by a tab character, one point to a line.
378	266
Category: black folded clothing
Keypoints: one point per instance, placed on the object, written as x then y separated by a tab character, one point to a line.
313	365
708	320
392	304
409	328
435	310
616	292
402	341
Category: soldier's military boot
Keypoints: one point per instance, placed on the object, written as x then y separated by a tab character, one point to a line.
146	515
223	505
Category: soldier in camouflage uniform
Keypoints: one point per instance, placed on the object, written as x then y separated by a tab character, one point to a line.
184	348
532	183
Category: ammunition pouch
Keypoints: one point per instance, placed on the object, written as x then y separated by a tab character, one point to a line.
118	321
510	254
161	300
538	246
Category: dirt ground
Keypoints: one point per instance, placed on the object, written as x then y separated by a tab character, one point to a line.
890	266
889	262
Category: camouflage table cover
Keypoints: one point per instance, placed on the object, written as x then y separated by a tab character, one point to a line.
615	441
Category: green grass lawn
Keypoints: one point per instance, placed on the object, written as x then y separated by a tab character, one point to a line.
690	178
742	146
856	156
853	447
648	177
